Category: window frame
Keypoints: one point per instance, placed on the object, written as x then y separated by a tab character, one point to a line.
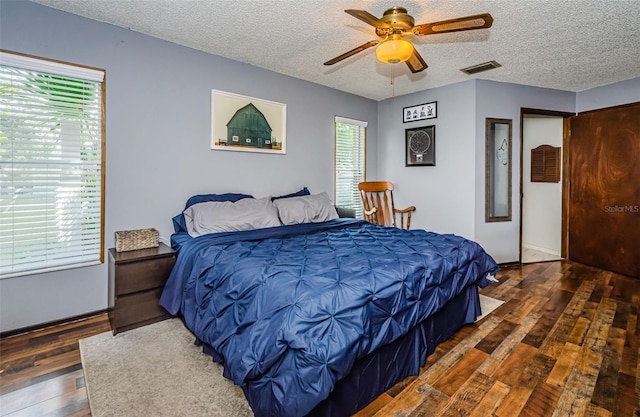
45	67
362	126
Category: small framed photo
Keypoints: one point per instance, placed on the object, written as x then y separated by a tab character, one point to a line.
420	143
420	112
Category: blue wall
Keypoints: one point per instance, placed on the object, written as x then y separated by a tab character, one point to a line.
504	101
623	92
450	197
443	194
158	104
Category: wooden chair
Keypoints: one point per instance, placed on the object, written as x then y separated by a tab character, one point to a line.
377	200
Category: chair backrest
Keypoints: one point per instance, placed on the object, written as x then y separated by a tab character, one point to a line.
379	207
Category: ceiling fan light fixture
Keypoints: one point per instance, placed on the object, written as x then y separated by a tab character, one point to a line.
394	51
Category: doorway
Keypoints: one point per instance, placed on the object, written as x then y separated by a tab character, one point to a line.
541	203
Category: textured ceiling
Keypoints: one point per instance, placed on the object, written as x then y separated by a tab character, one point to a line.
567	45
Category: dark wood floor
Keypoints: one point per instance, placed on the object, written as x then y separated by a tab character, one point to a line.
565	343
41	374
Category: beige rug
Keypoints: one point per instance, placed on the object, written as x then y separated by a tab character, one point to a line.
487	305
157	371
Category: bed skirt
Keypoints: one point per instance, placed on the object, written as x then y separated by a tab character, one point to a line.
377	372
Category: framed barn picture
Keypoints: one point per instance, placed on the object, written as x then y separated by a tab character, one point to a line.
247	124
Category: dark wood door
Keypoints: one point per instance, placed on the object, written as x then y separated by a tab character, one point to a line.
604	214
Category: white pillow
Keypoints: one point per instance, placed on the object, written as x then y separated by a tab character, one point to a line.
227	216
306	209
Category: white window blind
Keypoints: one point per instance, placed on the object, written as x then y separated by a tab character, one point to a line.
350	144
51	141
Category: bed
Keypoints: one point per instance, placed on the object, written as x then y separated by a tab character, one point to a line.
310	313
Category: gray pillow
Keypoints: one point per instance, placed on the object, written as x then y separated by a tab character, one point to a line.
306	209
227	216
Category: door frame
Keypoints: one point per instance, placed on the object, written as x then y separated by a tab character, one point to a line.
566	136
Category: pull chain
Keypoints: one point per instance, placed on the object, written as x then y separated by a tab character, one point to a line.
393	84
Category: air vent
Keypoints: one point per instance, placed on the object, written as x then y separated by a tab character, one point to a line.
485	66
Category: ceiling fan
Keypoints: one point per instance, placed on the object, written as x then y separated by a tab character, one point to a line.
396	23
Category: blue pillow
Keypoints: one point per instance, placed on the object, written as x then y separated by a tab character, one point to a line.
203	198
179	224
300	193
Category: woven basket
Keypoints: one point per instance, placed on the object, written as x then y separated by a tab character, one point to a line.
127	240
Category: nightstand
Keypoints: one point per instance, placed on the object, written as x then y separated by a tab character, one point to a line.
136	280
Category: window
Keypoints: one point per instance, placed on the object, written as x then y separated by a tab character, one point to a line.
51	165
350	162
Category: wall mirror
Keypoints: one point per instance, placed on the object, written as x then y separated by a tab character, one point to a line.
498	170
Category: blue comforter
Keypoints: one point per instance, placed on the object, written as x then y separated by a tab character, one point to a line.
289	309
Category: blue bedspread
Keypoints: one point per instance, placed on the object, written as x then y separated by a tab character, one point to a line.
289	309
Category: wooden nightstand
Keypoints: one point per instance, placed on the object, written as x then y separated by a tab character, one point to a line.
136	280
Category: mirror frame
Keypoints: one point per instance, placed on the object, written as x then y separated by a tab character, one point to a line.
496	156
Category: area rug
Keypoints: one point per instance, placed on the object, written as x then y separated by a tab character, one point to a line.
488	305
157	370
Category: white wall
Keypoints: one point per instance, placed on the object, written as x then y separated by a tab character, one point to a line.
158	103
542	201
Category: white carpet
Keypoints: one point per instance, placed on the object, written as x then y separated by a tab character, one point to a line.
157	371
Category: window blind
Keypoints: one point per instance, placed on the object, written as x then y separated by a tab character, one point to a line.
51	145
350	141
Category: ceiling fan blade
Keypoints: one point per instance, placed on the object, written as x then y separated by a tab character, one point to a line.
352	52
479	21
367	17
416	63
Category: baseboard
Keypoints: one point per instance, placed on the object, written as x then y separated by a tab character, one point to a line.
514	264
541	249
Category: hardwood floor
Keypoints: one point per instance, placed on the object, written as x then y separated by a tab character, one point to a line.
565	343
41	374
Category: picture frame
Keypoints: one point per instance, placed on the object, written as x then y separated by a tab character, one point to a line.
247	124
420	112
420	146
